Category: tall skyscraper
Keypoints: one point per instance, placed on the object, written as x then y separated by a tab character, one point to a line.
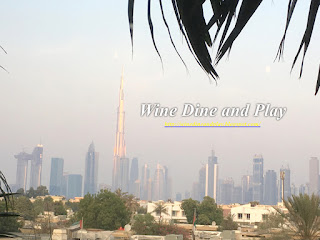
91	171
134	175
202	183
226	191
74	185
120	146
159	184
145	175
123	181
257	182
246	184
212	176
36	168
56	176
287	183
314	176
271	190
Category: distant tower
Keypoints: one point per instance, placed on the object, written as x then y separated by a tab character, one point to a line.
202	183
257	182
91	171
287	183
120	146
36	168
134	175
314	175
246	184
212	176
271	190
56	176
145	175
74	185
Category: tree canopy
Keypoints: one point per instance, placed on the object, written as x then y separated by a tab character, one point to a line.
105	210
207	211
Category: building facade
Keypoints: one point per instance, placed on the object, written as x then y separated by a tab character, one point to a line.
257	181
91	171
56	176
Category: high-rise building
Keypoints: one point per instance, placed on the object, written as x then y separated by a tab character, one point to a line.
202	183
314	176
159	183
257	182
74	185
56	176
145	175
36	168
246	184
237	194
91	171
226	191
287	183
212	176
123	180
134	175
271	190
120	146
178	197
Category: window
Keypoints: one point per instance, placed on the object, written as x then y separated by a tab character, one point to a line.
248	216
174	213
239	215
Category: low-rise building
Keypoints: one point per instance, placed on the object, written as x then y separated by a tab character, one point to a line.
173	212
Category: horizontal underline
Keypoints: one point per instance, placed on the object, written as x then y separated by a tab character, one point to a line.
212	126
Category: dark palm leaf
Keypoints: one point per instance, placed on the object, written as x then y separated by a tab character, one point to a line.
195	30
151	29
5	53
130	18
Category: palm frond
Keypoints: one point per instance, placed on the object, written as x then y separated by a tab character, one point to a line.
130	18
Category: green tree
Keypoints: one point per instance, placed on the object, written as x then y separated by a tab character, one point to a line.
203	219
195	28
59	208
8	224
228	223
188	206
142	210
31	193
104	210
25	208
72	205
209	208
143	224
41	191
38	206
303	217
48	204
20	191
160	209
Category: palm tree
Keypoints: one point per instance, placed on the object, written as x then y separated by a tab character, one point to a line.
195	29
160	209
303	216
5	192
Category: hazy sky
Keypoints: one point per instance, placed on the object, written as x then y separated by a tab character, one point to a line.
65	60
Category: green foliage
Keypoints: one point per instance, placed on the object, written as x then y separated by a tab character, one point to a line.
25	208
203	219
228	224
38	206
105	210
303	217
274	220
142	210
72	205
40	191
48	205
59	208
188	206
146	225
209	207
143	224
207	211
8	224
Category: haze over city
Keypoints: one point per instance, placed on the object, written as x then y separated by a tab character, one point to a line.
65	61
